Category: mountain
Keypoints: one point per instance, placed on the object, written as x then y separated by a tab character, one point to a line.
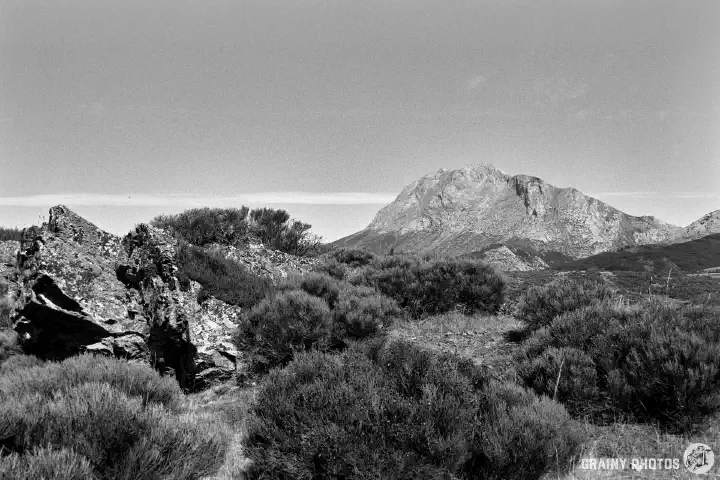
468	209
707	225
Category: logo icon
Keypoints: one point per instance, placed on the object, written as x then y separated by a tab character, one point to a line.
698	458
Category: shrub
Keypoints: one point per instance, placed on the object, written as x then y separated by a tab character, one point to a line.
391	410
362	312
566	374
122	420
353	257
333	268
523	435
6	306
48	464
19	361
316	284
541	304
9	345
653	362
275	230
220	277
6	234
204	226
437	286
279	325
131	379
119	436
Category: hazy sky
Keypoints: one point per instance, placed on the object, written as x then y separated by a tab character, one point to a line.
618	98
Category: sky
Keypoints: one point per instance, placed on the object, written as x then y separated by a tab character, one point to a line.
329	108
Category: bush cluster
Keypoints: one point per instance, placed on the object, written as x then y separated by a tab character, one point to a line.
387	409
6	234
353	257
234	226
541	304
429	287
313	311
220	277
204	226
94	417
653	362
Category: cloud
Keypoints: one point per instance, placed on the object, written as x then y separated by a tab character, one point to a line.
182	200
657	194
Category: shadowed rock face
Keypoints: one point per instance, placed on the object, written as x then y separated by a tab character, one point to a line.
79	289
465	210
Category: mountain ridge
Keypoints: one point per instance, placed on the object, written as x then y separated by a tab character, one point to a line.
457	211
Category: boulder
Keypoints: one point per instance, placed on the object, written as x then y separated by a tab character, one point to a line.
80	289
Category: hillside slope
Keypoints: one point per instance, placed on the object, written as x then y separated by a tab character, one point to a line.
692	256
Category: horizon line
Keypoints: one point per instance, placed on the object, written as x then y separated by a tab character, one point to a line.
200	200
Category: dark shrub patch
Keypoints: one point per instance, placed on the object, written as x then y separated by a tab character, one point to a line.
120	419
541	304
316	284
276	230
391	410
362	312
204	226
235	226
353	257
220	277
437	286
567	375
10	234
279	325
653	361
333	268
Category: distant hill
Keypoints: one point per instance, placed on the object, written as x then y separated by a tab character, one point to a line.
707	225
466	210
693	256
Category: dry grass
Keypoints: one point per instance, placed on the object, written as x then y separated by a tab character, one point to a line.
624	440
479	337
229	403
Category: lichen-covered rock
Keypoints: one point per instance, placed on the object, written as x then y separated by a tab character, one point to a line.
217	359
267	262
81	289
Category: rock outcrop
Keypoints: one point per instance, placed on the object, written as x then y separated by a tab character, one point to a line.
266	262
467	209
510	259
79	288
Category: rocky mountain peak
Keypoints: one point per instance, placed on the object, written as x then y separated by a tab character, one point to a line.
456	211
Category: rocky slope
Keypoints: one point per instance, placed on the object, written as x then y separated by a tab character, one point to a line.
510	259
467	209
707	225
76	288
